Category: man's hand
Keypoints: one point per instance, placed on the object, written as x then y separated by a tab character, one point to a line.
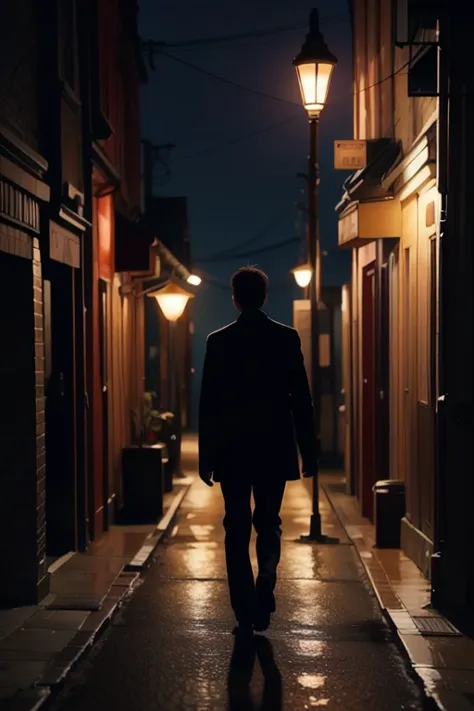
309	472
207	478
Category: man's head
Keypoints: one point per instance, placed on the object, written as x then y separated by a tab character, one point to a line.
249	288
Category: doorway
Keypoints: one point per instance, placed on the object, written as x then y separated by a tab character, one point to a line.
104	379
394	326
58	305
368	473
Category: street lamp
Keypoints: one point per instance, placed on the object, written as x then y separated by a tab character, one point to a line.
172	300
303	275
314	67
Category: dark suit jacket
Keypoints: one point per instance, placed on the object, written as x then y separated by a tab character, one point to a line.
255	405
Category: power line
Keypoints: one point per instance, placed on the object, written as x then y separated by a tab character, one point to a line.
245	255
211	281
251	240
230	82
237	85
237	139
223	38
157	46
390	76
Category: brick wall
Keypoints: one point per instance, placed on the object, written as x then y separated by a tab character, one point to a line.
22	470
40	410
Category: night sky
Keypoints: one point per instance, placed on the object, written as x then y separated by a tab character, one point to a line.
239	185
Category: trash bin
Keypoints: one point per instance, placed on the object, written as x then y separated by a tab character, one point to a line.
389	507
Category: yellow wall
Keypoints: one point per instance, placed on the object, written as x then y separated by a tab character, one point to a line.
382	107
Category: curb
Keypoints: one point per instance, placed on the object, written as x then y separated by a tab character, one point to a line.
55	674
143	557
433	700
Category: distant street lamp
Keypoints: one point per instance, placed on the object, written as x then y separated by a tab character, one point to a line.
303	275
194	280
314	67
172	300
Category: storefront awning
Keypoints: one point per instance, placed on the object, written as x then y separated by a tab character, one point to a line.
368	209
362	222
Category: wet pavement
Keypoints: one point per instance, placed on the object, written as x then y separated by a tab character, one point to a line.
171	648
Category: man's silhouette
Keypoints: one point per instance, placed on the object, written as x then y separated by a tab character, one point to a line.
255	408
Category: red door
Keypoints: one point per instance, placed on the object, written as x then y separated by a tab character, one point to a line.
368	390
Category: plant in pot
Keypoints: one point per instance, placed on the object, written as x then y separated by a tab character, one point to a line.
159	426
144	466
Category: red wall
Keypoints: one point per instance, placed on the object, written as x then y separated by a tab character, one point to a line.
120	81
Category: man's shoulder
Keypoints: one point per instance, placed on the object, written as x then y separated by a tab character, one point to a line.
221	332
283	330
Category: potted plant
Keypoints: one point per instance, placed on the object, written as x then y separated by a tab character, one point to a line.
143	467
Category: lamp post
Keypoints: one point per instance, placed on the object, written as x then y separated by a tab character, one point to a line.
314	67
172	300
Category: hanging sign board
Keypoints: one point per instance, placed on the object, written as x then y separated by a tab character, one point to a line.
350	155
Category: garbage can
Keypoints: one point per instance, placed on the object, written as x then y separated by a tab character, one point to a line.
389	507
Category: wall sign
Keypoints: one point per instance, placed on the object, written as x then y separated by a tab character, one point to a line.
350	155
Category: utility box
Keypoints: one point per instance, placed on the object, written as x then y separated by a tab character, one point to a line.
389	507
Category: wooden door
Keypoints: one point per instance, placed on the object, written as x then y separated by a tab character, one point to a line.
382	438
104	377
394	363
61	486
368	473
347	393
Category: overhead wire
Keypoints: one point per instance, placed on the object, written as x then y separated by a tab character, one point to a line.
211	281
252	253
265	95
230	82
237	139
250	240
390	76
250	34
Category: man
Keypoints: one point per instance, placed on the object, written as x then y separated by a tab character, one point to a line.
254	399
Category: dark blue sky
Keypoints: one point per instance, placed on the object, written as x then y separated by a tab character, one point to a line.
235	191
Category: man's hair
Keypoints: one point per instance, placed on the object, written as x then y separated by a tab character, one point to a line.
250	287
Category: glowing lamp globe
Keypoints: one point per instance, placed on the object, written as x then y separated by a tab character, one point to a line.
172	300
194	279
303	275
314	66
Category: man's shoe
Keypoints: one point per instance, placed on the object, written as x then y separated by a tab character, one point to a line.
265	596
262	620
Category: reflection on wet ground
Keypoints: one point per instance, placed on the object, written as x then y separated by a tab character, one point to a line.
172	649
241	669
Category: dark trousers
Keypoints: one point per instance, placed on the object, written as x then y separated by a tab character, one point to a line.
268	496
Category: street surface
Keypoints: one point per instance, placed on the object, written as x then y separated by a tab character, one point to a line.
171	648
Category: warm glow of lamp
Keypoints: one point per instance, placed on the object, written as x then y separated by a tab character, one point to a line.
172	300
303	275
314	67
194	279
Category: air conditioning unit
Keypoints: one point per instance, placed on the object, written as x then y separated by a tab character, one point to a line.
416	22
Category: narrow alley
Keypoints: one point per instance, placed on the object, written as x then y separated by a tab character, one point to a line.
171	646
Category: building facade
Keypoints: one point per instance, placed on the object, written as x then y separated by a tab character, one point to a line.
389	216
72	260
24	196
